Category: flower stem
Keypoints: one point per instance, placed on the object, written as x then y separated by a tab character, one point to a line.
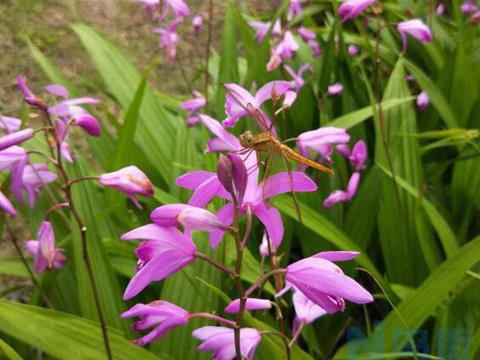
214	263
83	178
296	335
284	340
262	279
213	317
238	281
83	233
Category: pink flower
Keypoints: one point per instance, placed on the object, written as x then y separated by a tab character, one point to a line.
415	28
15	138
162	315
31	179
240	103
306	34
6	205
315	46
28	96
321	141
169	39
261	29
250	304
306	311
179	8
197	23
46	256
165	252
149	5
297	81
265	248
324	283
359	155
294	9
423	101
9	124
192	106
352	50
130	180
190	217
11	156
69	108
350	9
335	89
440	9
221	341
468	7
232	174
284	51
339	196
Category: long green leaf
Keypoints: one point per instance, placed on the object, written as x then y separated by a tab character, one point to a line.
8	351
62	335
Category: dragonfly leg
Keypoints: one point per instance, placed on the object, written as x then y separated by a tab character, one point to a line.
292	187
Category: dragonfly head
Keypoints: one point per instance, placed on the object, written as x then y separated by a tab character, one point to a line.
246	139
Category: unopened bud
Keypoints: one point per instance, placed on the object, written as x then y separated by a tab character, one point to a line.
225	172
240	176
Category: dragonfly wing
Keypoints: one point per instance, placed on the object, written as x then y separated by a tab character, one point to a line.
292	187
267	176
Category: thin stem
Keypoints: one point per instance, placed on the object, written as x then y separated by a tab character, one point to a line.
83	233
214	263
14	241
284	340
207	52
248	228
83	178
213	317
296	335
262	279
238	281
183	72
56	207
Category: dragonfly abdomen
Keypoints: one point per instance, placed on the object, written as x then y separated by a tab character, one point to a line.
292	155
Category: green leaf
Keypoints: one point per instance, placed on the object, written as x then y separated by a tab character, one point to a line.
13	267
122	79
391	335
62	335
355	118
8	351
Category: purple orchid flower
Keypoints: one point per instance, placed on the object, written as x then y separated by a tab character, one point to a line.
69	108
165	252
265	248
250	304
9	124
324	283
294	9
306	311
350	9
197	23
179	8
28	96
221	341
353	50
423	101
306	34
149	5
207	185
162	315
240	103
297	82
261	29
468	7
335	89
11	156
315	46
359	155
31	179
6	205
321	141
439	11
46	256
339	196
284	51
415	28
130	180
15	138
192	106
190	217
169	39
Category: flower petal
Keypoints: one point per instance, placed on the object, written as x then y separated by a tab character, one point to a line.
271	219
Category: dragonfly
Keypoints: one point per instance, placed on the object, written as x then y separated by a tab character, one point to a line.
268	142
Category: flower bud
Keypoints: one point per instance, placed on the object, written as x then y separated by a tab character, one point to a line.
15	138
225	172
29	97
200	219
335	89
423	101
6	205
240	176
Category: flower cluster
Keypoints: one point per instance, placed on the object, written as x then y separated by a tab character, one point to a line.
168	244
170	14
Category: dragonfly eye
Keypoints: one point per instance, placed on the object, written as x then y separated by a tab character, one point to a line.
246	139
